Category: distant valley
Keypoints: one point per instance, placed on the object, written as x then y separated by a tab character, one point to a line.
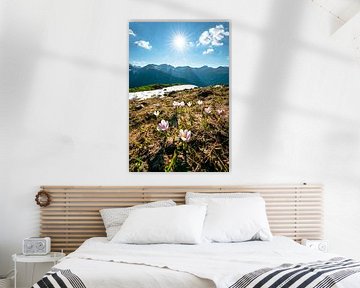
156	74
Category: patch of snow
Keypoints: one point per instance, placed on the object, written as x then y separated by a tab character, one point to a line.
158	92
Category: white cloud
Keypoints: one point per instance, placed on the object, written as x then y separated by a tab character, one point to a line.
131	32
208	51
204	38
213	36
143	44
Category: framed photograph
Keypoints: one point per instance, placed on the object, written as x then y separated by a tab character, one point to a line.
179	96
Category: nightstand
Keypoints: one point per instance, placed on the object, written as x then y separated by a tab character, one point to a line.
53	257
320	245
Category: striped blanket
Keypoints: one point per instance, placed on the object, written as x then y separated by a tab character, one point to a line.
320	274
59	278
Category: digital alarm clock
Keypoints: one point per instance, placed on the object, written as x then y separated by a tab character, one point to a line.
36	246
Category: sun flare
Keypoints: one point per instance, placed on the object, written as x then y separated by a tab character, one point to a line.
179	42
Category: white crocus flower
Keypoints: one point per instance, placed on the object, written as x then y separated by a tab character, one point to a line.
163	125
185	135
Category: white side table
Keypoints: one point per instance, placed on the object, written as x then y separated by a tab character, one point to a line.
53	257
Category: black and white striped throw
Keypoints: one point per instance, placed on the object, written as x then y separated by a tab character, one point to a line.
320	274
59	278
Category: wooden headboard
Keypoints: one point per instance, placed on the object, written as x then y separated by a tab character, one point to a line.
73	215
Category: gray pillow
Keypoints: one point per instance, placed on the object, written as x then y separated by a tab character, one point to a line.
203	198
113	218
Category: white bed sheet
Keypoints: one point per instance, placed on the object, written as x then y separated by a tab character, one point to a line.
100	263
101	274
106	274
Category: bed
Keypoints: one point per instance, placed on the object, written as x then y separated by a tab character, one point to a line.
99	263
294	212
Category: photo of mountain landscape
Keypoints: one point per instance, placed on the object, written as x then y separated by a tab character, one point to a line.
179	96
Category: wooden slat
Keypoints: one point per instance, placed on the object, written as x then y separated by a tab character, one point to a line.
73	216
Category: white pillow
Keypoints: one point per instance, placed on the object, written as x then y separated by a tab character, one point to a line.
180	224
203	198
236	220
113	218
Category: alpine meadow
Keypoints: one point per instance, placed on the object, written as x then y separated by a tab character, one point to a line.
179	96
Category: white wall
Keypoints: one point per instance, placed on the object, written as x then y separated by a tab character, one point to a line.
63	87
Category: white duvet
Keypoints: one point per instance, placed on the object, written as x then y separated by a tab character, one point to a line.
100	263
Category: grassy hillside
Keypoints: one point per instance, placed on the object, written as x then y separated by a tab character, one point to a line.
154	147
150	87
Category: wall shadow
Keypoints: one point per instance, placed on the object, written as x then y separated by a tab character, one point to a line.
268	94
19	46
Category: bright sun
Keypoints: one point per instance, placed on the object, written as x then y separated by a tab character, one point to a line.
179	42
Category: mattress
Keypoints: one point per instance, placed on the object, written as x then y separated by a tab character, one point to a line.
99	263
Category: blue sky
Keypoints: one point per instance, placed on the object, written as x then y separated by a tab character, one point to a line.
192	44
